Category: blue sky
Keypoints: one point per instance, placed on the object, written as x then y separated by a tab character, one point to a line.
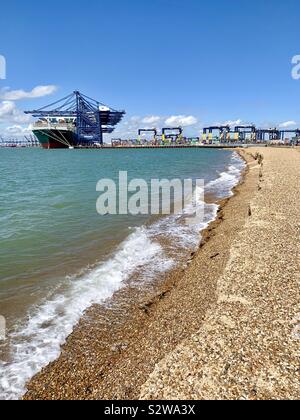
201	62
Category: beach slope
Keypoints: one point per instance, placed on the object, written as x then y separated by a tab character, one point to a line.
248	346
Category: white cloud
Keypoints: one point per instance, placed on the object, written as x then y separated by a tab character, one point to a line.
181	120
130	126
151	119
9	113
233	123
37	92
18	130
135	119
288	124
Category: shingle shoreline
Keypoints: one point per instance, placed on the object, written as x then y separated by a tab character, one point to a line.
223	329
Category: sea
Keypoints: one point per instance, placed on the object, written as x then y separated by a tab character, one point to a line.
59	256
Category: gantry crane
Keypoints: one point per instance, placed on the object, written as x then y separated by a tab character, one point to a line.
147	130
241	131
223	133
92	118
175	134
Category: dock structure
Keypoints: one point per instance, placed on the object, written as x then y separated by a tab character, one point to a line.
19	142
78	121
147	130
213	136
172	135
227	134
296	133
272	134
218	133
246	132
32	141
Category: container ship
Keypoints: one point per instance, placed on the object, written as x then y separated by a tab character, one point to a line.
75	121
56	133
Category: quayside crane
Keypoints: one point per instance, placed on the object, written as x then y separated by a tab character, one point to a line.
222	130
285	132
272	134
241	132
174	133
87	118
147	130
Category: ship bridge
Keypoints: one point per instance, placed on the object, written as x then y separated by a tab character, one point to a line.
91	118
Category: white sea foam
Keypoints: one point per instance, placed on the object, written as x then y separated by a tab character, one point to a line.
39	340
222	187
183	230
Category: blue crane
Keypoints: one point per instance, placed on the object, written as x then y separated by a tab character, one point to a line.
92	118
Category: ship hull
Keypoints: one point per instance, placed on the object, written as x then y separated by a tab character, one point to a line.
56	139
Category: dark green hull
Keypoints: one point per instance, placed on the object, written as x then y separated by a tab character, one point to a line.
56	139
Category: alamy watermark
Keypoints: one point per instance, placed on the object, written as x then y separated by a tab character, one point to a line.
2	328
296	67
155	197
2	67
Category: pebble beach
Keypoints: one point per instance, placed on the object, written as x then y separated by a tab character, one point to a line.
225	327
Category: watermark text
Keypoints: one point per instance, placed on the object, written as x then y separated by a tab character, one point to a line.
152	197
296	67
2	67
2	328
